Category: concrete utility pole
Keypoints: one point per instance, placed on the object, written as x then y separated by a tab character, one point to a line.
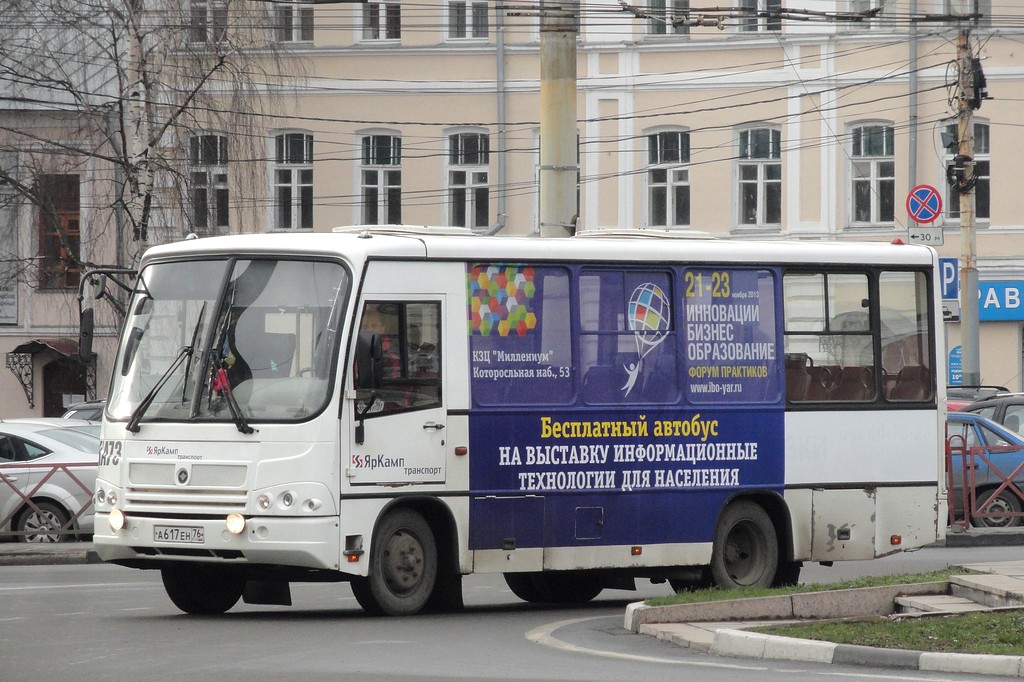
558	156
968	240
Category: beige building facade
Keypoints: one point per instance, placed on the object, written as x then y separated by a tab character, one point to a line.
753	123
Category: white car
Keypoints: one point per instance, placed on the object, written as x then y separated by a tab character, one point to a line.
47	478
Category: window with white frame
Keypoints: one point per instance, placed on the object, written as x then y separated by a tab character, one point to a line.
982	173
468	190
208	21
382	21
873	175
759	172
208	158
381	180
668	179
293	181
864	7
467	20
760	15
981	9
293	23
668	17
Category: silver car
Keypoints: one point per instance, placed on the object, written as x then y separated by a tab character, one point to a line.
47	478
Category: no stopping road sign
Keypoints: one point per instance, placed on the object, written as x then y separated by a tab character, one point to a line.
924	204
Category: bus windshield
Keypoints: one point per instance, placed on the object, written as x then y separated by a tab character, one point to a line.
232	340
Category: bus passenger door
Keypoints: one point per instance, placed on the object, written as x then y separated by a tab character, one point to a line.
397	396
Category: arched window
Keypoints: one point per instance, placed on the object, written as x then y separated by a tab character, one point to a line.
293	181
381	179
668	178
759	173
873	174
468	189
208	158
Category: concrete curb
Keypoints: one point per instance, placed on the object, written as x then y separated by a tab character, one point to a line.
743	644
853	603
26	554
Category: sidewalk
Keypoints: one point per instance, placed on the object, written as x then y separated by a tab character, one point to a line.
721	627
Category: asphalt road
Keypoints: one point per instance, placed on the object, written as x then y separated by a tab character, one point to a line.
94	621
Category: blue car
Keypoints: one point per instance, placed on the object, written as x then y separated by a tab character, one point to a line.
1004	449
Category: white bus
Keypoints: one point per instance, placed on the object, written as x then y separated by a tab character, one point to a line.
400	407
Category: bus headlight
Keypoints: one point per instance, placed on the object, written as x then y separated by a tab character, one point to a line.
116	519
235	523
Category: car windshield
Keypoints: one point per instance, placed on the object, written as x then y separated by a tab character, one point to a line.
228	340
76	437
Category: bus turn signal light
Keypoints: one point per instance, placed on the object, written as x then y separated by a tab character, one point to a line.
895	540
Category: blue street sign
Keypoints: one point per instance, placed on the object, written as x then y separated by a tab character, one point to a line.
949	271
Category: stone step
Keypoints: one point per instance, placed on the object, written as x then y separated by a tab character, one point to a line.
989	589
937	603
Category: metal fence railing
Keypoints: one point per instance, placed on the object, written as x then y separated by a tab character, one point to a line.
55	495
979	490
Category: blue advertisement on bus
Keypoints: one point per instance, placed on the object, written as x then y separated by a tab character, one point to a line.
619	405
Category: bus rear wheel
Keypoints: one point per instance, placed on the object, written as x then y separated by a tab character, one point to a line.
202	590
403	567
746	550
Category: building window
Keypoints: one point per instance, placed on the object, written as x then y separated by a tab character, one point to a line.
668	17
759	170
668	179
382	21
208	156
208	21
468	191
873	175
293	23
381	175
981	9
293	181
982	174
760	15
59	233
467	20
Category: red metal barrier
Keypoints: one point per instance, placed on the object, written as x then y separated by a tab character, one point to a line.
966	461
8	479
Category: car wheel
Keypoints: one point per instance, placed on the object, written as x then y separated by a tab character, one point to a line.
42	523
746	550
1006	505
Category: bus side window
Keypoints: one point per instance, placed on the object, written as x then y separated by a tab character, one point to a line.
399	347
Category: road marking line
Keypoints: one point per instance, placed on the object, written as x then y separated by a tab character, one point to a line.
542	635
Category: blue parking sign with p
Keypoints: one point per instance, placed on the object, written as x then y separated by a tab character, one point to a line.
949	271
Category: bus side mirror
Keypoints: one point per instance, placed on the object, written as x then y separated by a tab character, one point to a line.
369	361
85	330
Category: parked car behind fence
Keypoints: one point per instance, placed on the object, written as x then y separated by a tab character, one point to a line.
47	478
990	459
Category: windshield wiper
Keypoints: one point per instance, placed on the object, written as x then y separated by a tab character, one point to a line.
133	423
222	387
185	352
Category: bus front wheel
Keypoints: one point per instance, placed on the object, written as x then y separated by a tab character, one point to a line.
746	550
403	567
202	590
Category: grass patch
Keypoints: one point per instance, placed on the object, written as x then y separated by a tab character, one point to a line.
984	632
715	594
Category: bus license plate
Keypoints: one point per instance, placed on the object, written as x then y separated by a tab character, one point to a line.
194	535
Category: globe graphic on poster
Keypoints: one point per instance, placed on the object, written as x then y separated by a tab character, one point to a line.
649	314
